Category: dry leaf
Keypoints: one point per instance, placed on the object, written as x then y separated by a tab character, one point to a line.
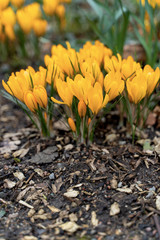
19	175
124	189
39	172
53	209
114	209
29	238
151	119
22	194
69	227
94	220
57	185
71	193
42	216
21	152
69	147
9	184
61	125
158	203
110	137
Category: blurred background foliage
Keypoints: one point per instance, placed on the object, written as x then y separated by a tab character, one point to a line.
116	23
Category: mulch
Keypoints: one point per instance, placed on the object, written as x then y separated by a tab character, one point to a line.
56	189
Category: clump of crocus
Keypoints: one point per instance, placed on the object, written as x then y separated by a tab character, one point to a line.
23	23
28	90
84	101
82	78
7	23
29	18
57	8
84	85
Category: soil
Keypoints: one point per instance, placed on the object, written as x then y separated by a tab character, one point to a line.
56	189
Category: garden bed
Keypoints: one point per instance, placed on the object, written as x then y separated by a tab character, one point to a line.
59	190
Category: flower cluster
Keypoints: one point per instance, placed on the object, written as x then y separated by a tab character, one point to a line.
85	81
153	3
28	86
29	17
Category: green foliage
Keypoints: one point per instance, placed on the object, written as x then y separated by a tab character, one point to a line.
112	23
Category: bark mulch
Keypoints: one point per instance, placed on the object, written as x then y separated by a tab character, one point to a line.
54	189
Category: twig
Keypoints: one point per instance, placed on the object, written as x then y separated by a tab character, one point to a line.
25	204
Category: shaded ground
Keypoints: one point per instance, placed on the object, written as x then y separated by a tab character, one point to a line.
53	189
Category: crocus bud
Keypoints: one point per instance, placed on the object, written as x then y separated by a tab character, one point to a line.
82	108
89	121
30	101
40	95
72	124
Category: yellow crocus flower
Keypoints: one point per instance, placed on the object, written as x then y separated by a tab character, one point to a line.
3	4
152	78
9	31
129	67
20	82
79	87
39	27
113	64
113	84
54	72
67	56
30	101
91	67
49	6
17	3
151	2
39	77
95	51
8	17
40	95
60	11
96	101
137	87
27	15
33	10
17	85
24	21
64	92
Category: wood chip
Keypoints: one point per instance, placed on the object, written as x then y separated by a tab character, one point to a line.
53	209
125	190
94	219
115	209
19	175
70	227
20	153
9	184
71	193
29	238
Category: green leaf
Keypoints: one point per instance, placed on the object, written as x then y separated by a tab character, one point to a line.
2	213
96	7
147	146
17	160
